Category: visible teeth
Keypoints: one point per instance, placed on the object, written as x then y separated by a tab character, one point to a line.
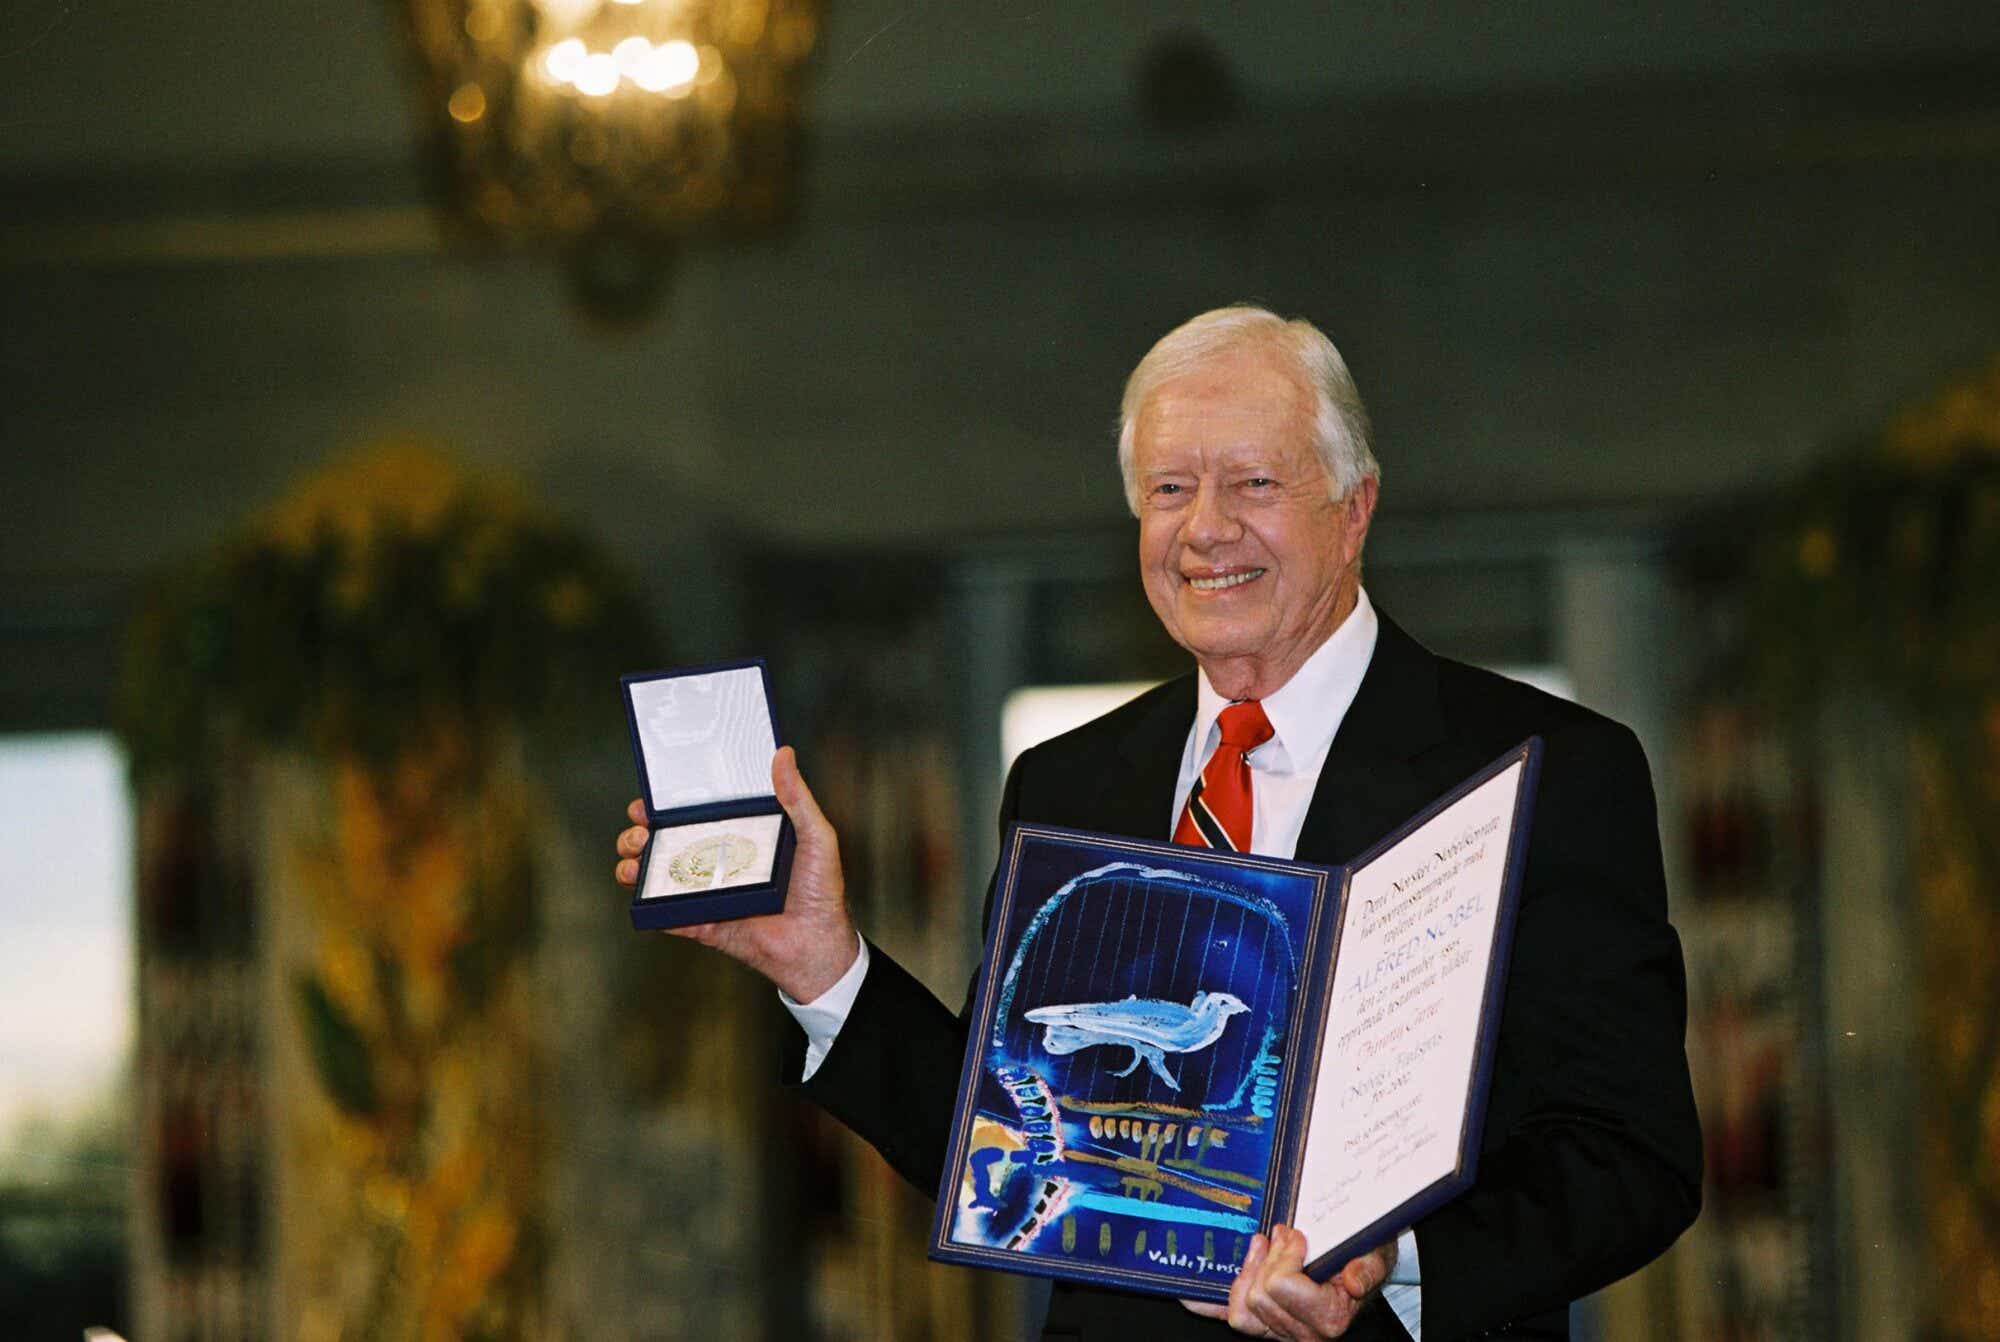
1217	584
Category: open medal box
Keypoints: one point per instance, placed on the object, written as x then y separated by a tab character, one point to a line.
721	846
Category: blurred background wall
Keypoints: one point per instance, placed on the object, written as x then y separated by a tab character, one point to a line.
1614	284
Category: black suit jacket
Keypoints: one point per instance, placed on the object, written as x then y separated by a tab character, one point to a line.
1591	1157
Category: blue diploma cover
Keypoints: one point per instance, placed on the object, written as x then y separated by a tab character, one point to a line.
1172	1049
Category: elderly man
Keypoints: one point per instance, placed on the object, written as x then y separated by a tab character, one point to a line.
1245	455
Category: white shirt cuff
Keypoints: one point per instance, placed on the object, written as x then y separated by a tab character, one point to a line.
1407	1270
822	1017
1403	1292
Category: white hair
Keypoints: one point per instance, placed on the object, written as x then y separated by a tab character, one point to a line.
1340	422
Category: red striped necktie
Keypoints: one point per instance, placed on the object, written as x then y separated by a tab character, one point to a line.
1218	807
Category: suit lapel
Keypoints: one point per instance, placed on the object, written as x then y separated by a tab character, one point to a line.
1373	779
1139	803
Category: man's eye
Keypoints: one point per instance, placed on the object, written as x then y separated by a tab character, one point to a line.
1260	482
1166	487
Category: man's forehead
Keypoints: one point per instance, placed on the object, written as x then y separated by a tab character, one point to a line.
1238	406
1223	417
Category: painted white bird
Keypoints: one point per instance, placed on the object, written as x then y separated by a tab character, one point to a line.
1149	1026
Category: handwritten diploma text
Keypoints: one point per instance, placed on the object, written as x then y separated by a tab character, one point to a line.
1396	1062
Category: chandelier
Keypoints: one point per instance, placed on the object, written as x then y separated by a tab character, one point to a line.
613	130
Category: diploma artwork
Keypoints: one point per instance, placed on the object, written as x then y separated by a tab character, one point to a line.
1173	1049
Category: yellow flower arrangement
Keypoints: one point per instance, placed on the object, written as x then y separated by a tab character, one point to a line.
1886	564
391	596
399	627
1963	418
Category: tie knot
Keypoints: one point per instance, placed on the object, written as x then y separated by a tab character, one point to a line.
1244	725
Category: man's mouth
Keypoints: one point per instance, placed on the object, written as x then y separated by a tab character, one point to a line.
1226	580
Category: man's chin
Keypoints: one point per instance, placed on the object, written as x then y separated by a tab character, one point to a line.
1212	640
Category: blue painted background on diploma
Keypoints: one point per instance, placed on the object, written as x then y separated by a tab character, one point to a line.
1131	1065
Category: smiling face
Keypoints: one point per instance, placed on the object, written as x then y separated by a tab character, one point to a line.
1247	560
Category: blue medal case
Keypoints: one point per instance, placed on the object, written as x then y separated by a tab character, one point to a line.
702	738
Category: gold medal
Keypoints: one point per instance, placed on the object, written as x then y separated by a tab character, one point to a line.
709	862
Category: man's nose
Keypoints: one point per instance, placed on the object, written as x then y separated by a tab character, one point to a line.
1212	520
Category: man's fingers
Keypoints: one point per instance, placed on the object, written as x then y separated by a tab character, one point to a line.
1272	1296
631	843
1283	1265
1293	1305
1363	1276
1208	1309
797	799
701	933
1239	1313
1239	1309
1323	1310
1288	1251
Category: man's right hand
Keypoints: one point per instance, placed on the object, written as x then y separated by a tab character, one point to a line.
806	948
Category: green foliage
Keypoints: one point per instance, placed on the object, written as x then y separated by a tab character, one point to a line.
389	602
1886	571
340	1054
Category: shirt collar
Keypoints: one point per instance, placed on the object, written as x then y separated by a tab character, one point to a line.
1306	710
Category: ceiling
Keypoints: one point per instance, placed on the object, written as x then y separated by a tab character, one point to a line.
1595	266
113	85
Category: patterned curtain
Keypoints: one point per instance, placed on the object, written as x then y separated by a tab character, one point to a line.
407	1060
330	717
1882	576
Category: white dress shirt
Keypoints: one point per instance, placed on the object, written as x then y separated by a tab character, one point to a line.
1304	714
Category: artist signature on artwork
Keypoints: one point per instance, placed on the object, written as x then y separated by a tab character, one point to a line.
1184	1262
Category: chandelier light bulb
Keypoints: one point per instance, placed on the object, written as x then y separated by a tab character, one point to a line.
468	104
598	75
564	60
664	68
632	55
613	133
652	73
676	63
567	13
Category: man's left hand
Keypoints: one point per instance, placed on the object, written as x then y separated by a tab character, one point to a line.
1273	1296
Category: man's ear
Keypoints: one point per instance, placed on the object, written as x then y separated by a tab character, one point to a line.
1357	510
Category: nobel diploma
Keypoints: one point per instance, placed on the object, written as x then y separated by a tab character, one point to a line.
1171	1050
1397	1059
